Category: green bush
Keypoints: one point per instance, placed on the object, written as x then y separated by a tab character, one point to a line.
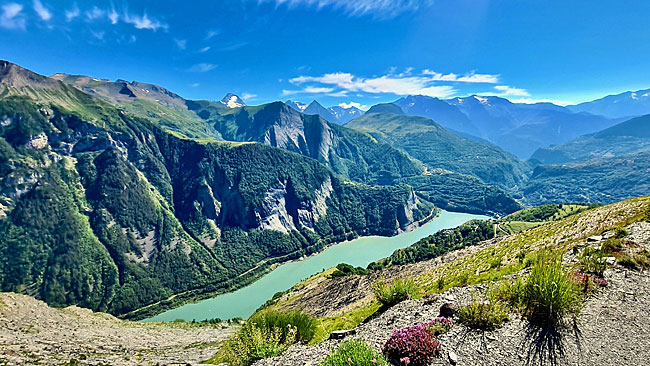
252	343
354	353
486	314
344	269
592	260
635	261
394	293
266	334
621	232
550	291
302	324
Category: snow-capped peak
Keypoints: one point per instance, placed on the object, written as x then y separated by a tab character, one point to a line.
232	101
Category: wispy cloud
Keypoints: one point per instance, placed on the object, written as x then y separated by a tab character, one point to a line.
211	34
399	84
378	8
11	17
202	67
181	43
205	49
42	11
467	78
143	22
510	91
72	13
95	13
248	96
113	16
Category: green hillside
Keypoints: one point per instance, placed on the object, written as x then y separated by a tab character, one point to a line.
430	143
111	211
629	137
604	180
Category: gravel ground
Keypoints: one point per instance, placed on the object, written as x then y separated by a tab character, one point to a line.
612	329
33	333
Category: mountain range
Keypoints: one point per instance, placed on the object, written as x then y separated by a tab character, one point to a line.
335	114
627	104
118	195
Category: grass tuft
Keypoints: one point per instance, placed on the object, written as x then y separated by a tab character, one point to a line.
389	294
354	353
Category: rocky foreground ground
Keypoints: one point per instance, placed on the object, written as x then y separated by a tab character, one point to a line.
612	329
31	333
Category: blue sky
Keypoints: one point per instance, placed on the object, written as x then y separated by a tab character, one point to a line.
337	51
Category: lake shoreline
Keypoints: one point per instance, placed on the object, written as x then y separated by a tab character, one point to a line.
168	304
279	277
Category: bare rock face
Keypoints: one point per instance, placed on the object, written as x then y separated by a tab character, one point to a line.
281	211
273	214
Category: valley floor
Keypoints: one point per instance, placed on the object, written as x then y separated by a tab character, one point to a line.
612	329
32	333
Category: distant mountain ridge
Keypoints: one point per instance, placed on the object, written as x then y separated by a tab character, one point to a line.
627	104
335	114
628	137
517	128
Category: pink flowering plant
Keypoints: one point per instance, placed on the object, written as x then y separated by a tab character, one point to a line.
354	353
415	346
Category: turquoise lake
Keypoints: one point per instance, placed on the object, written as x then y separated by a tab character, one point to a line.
359	252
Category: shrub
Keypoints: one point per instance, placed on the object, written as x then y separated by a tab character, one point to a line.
253	343
635	261
612	246
415	345
344	269
550	292
485	314
354	353
266	334
620	232
592	260
394	293
297	324
439	325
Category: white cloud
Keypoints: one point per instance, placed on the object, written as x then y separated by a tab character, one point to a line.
248	96
353	105
195	85
378	8
113	16
41	10
317	90
181	43
205	49
72	13
391	84
143	22
11	17
211	34
510	91
467	78
95	13
98	35
202	67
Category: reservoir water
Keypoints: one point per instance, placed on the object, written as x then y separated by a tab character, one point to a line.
359	252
